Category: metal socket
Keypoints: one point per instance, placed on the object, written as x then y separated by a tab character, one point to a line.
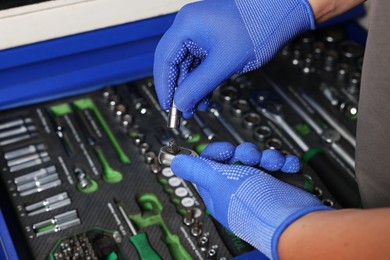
250	120
239	107
273	143
262	132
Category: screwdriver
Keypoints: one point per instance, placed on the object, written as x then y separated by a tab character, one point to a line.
140	241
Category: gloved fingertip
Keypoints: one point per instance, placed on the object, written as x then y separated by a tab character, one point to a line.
218	151
164	105
292	164
272	160
248	154
203	105
165	94
188	114
184	102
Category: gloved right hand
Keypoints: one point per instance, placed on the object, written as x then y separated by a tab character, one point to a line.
249	202
210	41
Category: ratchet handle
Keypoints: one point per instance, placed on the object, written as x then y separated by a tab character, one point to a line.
344	189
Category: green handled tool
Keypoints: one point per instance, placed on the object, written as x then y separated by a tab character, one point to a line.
139	240
152	215
109	174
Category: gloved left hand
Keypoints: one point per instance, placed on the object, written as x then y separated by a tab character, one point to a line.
251	203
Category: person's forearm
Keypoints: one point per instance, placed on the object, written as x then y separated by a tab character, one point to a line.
326	9
338	234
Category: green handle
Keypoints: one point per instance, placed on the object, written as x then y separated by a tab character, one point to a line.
87	103
144	249
109	174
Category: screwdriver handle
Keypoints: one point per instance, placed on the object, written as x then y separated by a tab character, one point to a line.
342	187
143	247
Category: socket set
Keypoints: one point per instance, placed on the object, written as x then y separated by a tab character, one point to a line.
83	180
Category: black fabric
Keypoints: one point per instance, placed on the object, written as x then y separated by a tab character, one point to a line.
373	133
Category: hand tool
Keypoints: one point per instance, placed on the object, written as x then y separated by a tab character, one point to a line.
196	228
189	219
113	101
333	36
87	103
37	183
346	107
13	122
127	120
26	158
25	150
35	175
328	202
48	204
19	130
262	132
330	120
250	120
318	192
17	139
214	109
228	93
212	253
330	60
107	92
152	160
342	72
139	240
339	150
273	143
144	148
57	223
342	187
29	164
173	117
140	105
120	110
82	123
152	215
167	153
84	183
350	51
239	107
41	188
203	242
207	131
109	174
353	85
156	105
60	131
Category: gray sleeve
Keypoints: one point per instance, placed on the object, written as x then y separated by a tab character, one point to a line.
373	131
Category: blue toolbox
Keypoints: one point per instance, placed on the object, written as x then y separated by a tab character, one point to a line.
80	130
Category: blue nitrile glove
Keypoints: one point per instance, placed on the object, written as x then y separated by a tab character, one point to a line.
211	40
249	202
